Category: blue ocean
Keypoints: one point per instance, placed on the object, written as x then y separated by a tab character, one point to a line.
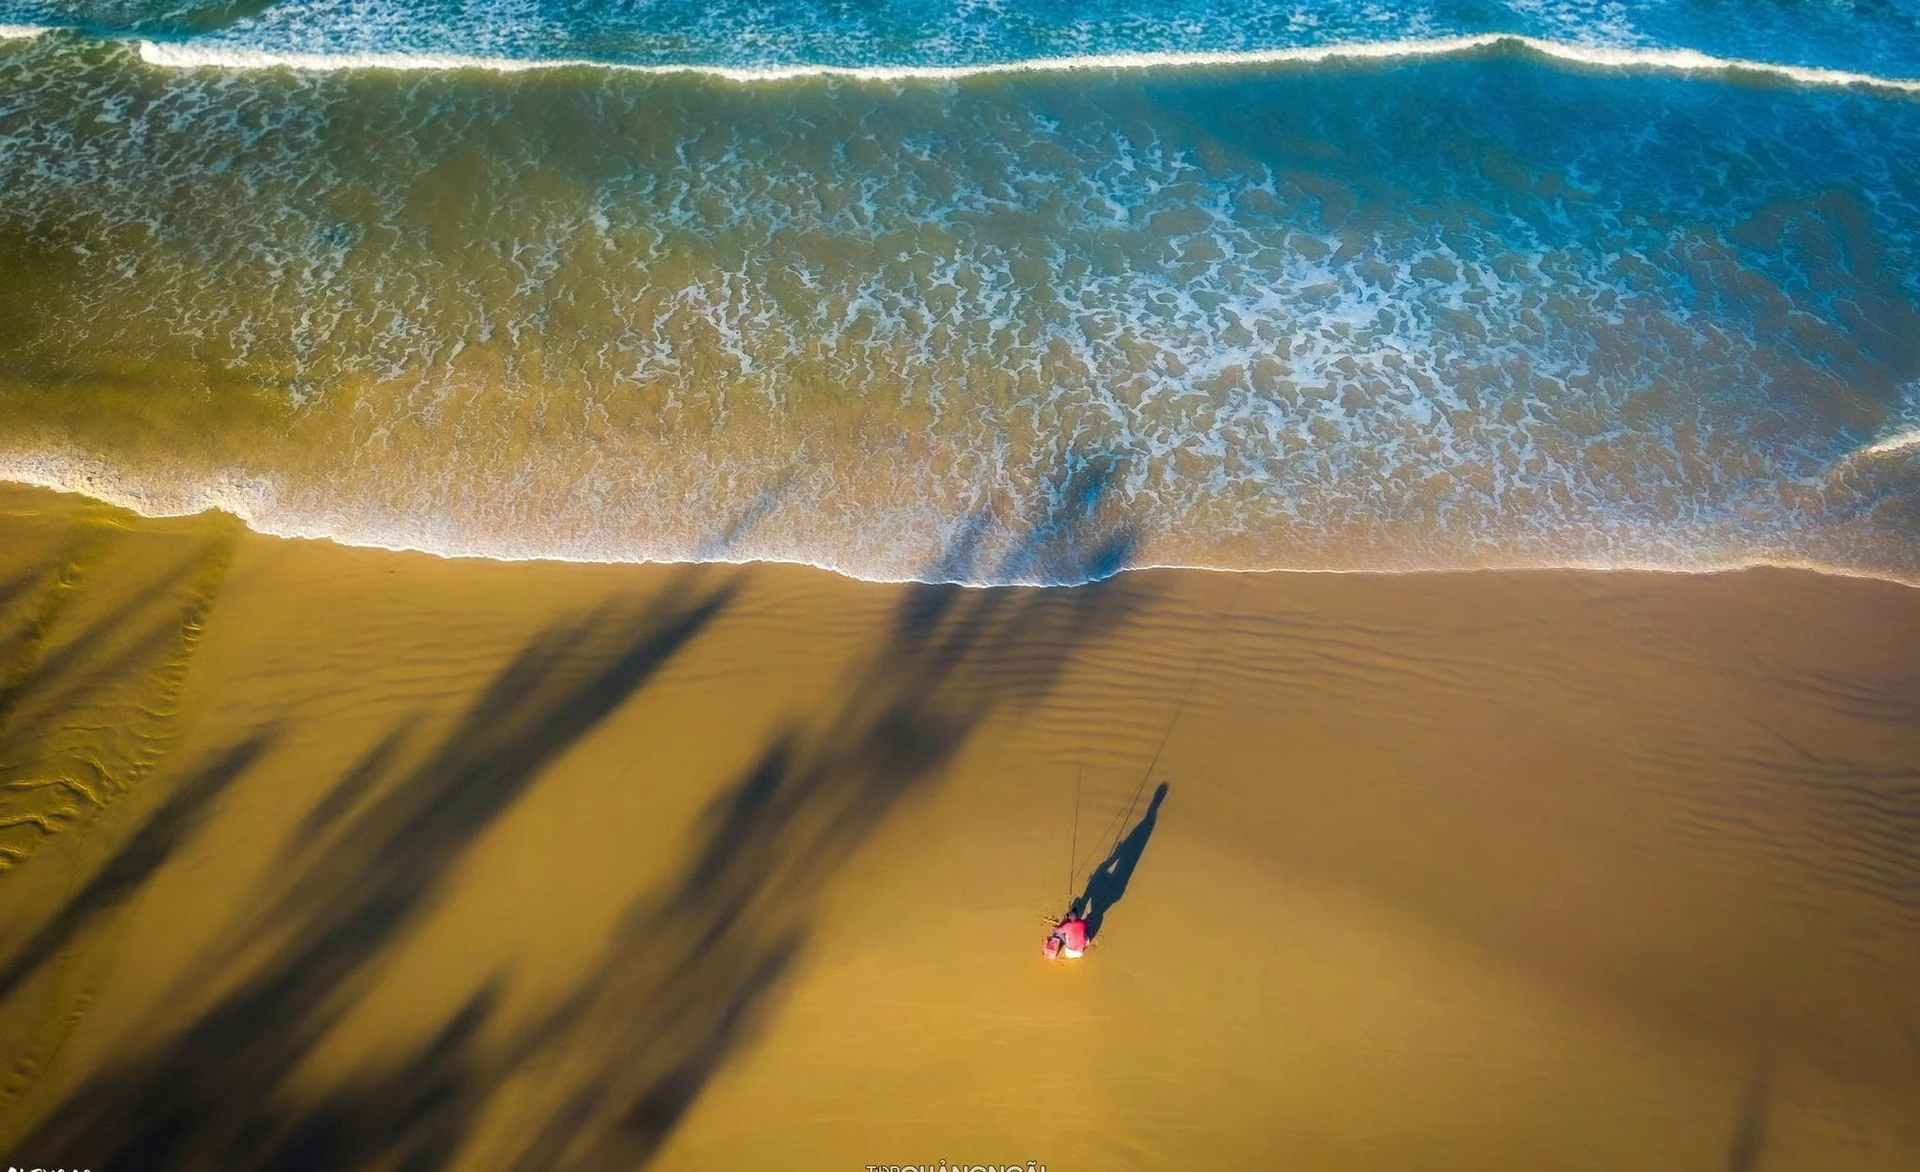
1316	286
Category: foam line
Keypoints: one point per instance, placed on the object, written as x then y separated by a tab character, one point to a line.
1905	441
20	32
184	55
246	502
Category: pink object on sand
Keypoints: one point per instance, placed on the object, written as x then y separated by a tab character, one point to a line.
1069	939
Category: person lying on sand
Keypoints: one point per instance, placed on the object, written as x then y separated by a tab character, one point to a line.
1069	938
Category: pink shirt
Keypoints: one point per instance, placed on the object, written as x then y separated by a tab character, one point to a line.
1074	932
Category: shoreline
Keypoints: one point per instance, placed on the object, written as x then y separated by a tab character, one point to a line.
14	480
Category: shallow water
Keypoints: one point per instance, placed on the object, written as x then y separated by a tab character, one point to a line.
1480	307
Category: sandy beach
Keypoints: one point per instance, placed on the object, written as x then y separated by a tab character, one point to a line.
330	857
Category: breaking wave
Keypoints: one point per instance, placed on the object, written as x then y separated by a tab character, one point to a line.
189	55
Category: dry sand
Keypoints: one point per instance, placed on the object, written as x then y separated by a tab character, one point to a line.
336	858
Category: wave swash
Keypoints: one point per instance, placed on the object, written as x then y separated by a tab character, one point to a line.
1480	299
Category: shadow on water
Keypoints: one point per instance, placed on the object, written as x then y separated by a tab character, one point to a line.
1108	881
607	1071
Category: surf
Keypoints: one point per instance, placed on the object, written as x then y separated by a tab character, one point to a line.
1626	61
585	321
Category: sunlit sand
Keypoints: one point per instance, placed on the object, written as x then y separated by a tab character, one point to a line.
386	858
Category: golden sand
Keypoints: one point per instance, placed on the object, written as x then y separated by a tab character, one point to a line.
343	858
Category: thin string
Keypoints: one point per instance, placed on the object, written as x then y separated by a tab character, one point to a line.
1118	826
1073	850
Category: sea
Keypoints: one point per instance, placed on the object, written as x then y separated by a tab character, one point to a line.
1242	285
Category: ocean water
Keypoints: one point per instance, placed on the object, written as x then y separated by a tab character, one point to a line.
1321	286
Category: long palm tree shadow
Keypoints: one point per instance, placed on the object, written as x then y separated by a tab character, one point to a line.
1107	883
61	679
347	793
613	1066
44	693
690	974
217	1094
135	862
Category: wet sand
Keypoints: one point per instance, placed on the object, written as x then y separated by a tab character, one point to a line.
340	858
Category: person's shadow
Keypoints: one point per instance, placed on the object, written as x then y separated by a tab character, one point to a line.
1109	880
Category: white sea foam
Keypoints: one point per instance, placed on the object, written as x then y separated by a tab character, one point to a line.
77	472
1901	433
177	55
20	32
250	503
1275	400
1904	441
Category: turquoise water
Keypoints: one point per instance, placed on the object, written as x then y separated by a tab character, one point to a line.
1417	304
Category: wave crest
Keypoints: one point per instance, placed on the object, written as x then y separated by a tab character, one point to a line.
181	55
